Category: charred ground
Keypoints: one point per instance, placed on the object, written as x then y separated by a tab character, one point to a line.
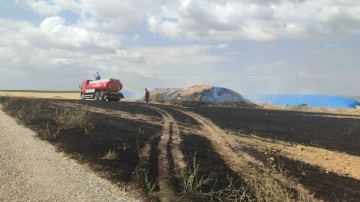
322	130
121	143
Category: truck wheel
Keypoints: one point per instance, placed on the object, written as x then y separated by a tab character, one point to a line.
101	96
82	96
97	96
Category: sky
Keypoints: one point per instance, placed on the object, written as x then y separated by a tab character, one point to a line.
250	46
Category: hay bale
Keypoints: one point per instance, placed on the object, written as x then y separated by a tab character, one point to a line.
198	93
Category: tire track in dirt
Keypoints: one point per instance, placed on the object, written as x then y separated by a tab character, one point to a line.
228	148
146	172
339	163
170	159
218	137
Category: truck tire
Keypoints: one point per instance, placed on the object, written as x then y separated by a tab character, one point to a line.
82	96
97	96
101	96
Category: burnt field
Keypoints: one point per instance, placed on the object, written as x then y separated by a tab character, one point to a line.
329	131
144	147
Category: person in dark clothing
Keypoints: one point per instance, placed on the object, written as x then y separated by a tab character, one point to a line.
147	95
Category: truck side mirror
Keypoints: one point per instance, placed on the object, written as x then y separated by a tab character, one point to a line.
80	86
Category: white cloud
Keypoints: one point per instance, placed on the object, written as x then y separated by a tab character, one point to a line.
328	45
214	20
71	36
256	20
54	49
179	55
315	51
120	15
315	76
71	5
278	65
177	37
163	56
43	7
46	8
136	37
167	28
233	53
52	45
222	46
130	56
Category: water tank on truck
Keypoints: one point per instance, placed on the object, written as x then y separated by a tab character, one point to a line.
101	90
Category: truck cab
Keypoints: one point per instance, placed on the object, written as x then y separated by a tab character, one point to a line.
83	86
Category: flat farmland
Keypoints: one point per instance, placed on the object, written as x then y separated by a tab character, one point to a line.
203	153
43	94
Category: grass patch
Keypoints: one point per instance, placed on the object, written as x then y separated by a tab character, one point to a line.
74	117
272	183
192	183
305	108
49	133
24	114
110	155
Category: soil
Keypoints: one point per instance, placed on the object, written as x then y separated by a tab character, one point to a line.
154	143
306	128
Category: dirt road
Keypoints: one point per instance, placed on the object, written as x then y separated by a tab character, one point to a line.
31	170
170	159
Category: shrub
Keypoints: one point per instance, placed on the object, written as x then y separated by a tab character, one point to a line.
191	185
74	117
48	133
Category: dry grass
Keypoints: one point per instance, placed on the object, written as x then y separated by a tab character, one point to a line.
41	95
193	93
313	109
273	184
191	185
195	90
110	155
269	184
74	117
23	115
70	96
49	133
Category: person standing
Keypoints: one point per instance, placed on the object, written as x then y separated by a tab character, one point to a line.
147	95
97	76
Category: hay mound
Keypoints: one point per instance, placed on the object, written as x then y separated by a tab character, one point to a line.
198	93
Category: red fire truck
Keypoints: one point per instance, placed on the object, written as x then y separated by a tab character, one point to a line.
101	90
